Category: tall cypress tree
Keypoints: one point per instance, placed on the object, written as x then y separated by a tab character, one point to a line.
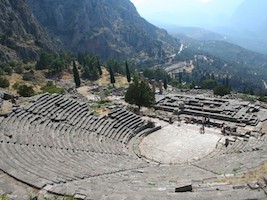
112	78
165	84
99	67
128	74
76	75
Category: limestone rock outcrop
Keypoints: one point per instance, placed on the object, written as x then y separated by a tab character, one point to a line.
21	36
108	28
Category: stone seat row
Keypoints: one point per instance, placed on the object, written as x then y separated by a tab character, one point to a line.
56	134
119	127
109	128
38	148
46	165
126	118
245	145
58	108
47	133
27	127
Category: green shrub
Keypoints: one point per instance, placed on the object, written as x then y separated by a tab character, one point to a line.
4	83
15	86
107	92
28	67
247	97
18	69
12	64
28	76
8	70
50	83
4	197
25	91
51	88
2	71
45	61
208	84
221	90
263	99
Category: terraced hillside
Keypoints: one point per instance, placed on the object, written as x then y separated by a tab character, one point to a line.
57	145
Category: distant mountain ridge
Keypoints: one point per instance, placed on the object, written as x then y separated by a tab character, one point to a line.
248	26
195	33
245	26
109	28
251	15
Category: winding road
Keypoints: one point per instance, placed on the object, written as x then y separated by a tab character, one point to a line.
265	84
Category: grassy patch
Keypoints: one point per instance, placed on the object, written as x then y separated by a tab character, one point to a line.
51	88
235	170
151	184
58	198
121	81
4	197
263	99
99	107
249	98
255	175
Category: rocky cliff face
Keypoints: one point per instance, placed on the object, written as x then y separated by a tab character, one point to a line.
21	37
103	27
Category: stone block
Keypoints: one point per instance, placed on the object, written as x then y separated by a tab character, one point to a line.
253	186
79	196
185	188
239	186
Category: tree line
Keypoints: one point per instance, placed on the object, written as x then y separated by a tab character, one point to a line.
89	67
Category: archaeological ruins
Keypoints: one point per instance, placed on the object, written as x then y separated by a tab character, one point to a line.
189	147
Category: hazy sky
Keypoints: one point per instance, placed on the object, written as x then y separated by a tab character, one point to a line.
187	12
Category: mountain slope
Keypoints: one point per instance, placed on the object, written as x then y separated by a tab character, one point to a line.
244	68
103	27
21	37
230	52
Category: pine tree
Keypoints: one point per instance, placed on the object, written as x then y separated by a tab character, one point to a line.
76	75
140	94
180	78
86	73
112	78
99	67
128	74
221	90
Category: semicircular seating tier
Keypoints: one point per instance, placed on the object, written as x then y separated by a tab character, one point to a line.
56	139
57	144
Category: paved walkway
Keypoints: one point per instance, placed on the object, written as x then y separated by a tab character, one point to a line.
179	144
